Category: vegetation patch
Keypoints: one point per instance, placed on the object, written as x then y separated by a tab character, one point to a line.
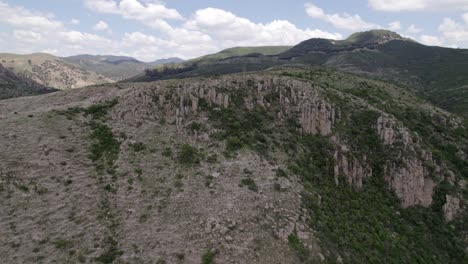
188	155
209	257
249	183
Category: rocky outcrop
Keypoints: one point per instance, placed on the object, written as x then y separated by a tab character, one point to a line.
354	170
451	207
290	98
410	175
410	182
390	133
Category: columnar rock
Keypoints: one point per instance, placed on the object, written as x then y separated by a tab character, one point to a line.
411	182
451	207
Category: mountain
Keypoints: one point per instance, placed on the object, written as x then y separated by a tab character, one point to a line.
50	71
379	54
295	164
12	85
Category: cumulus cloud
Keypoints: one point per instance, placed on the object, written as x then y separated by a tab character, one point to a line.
102	6
396	25
430	40
341	21
233	30
101	26
412	29
417	5
75	21
22	18
455	32
151	14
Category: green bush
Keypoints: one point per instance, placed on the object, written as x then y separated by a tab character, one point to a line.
99	111
208	257
137	147
250	183
188	155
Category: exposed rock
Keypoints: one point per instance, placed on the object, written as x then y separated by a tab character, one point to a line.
411	182
354	170
451	207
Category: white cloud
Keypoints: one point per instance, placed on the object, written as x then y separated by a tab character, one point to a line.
396	25
27	36
151	14
430	40
22	18
454	31
102	6
232	30
75	21
465	18
342	21
101	26
412	29
418	5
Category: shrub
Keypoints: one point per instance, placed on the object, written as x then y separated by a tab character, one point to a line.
99	111
167	152
250	183
188	155
209	257
137	147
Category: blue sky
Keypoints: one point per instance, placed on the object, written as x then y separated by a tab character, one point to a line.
152	29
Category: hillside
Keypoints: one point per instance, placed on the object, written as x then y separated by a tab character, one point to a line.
50	71
115	67
290	165
12	85
379	54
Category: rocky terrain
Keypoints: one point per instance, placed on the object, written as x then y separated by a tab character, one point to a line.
293	165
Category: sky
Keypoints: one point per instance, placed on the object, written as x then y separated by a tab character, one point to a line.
151	29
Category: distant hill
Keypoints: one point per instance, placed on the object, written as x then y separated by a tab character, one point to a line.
115	67
50	71
12	85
